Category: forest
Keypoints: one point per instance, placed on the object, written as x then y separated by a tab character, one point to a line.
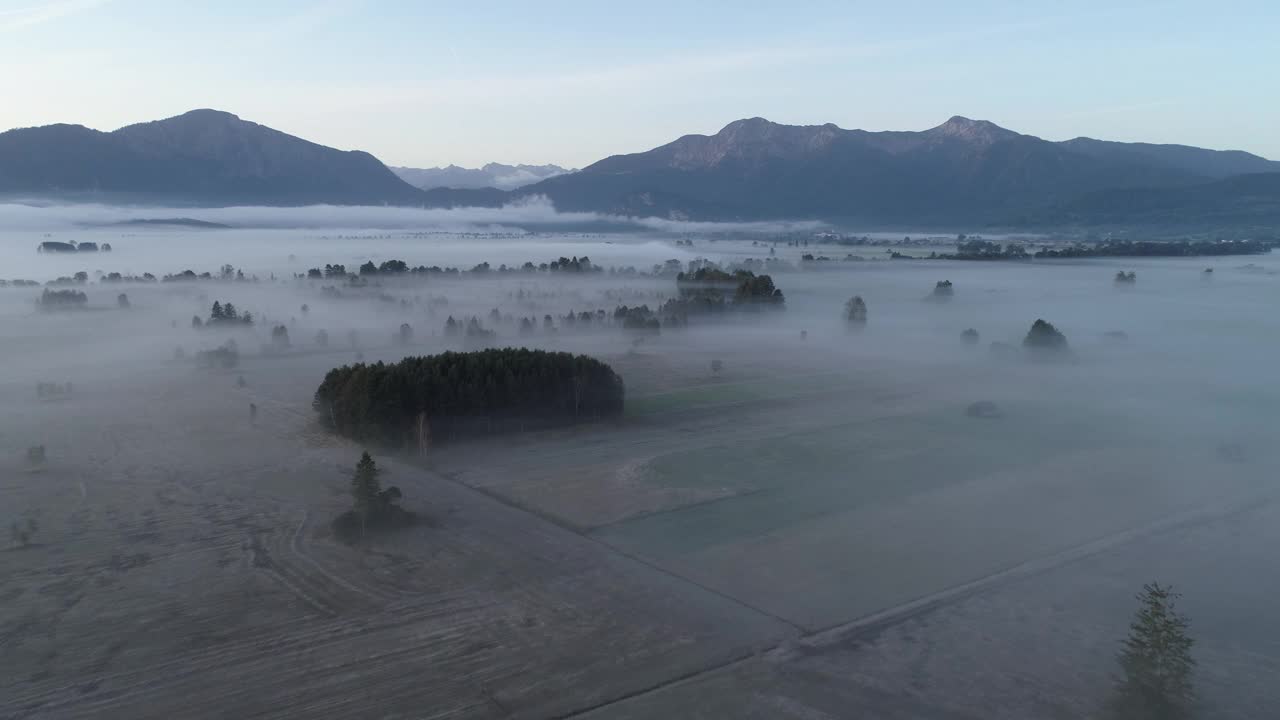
456	394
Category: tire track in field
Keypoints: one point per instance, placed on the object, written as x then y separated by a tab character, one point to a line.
258	655
888	617
297	549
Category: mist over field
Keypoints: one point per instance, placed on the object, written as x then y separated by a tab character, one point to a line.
778	477
526	214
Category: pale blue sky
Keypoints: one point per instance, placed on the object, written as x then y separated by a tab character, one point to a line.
427	83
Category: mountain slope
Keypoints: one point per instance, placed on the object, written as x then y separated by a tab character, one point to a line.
1241	200
200	156
1215	164
962	170
492	175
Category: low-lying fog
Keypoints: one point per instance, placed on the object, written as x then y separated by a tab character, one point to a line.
1178	365
1182	324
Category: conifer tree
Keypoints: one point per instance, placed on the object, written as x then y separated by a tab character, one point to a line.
1155	661
365	488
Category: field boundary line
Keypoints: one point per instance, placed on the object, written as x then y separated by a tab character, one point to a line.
891	616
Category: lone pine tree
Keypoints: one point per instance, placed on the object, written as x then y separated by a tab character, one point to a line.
1155	661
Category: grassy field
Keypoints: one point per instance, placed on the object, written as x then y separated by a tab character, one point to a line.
791	479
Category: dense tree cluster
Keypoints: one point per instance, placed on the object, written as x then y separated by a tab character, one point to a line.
1157	248
969	336
756	291
226	273
472	330
855	312
226	356
227	314
985	250
280	337
710	289
54	299
80	278
454	394
1044	337
943	289
978	249
115	277
400	267
639	318
54	246
53	389
1126	278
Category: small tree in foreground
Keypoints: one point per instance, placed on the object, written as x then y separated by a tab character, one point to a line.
365	486
372	507
1155	661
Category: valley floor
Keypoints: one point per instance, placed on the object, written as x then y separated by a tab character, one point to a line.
775	541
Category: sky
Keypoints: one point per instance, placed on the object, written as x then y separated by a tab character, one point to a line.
569	82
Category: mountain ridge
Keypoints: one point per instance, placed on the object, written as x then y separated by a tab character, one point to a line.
207	155
962	171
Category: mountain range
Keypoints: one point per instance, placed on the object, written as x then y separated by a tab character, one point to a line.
201	157
963	171
492	175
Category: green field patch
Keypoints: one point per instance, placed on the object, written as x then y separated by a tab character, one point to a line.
792	479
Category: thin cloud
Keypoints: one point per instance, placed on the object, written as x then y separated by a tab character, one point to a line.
1121	109
16	18
661	74
303	22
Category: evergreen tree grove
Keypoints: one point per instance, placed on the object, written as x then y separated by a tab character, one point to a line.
469	393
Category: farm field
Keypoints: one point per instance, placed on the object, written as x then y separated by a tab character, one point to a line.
814	523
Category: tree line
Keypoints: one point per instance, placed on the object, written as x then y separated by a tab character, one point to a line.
400	267
986	250
53	299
